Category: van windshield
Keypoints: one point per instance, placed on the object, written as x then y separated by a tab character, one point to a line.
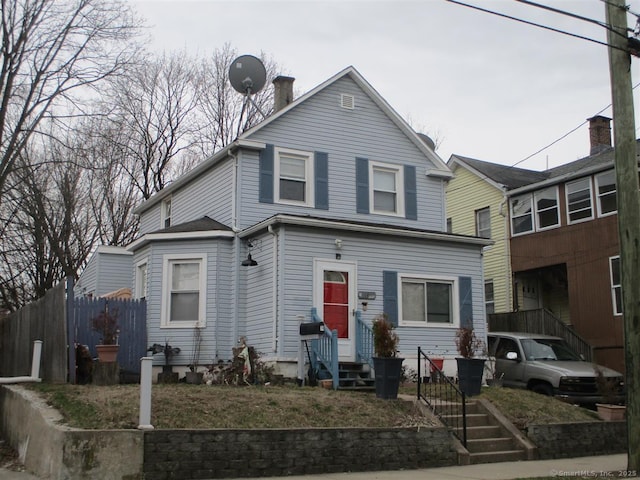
548	349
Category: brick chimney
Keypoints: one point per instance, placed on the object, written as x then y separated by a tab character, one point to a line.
283	92
599	133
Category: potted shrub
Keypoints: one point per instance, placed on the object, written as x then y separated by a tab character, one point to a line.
106	324
609	410
167	375
386	363
470	369
193	376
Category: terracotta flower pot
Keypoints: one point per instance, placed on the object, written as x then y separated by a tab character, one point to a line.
107	353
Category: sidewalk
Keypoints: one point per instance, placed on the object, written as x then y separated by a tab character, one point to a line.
584	466
581	466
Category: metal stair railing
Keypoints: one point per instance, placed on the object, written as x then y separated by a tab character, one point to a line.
364	341
325	351
443	396
540	321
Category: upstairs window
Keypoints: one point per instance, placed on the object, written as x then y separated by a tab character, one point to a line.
166	213
521	215
449	225
579	203
483	223
606	192
294	177
547	213
386	194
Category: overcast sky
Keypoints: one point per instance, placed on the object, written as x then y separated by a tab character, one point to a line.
483	86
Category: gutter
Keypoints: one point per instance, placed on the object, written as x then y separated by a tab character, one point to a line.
361	228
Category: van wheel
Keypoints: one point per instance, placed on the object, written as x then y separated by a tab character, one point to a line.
542	389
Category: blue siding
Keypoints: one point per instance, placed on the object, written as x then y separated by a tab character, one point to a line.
320	124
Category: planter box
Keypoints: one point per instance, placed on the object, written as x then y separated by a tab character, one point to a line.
470	372
387	374
611	413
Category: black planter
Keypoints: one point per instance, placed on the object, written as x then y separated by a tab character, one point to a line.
470	372
388	372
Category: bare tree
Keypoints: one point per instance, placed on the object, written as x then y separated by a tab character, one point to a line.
221	106
155	105
49	231
50	51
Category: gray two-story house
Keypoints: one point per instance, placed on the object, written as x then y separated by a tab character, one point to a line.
332	208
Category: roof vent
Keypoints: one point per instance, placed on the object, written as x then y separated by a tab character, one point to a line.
347	101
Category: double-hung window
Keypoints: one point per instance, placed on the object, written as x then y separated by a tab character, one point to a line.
184	290
579	204
428	301
141	280
166	213
387	192
606	192
546	203
294	177
489	298
483	223
521	214
616	285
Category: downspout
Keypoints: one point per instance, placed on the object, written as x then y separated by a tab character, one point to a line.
504	211
274	289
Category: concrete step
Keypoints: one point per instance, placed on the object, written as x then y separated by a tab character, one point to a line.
473	419
488	431
497	457
484	445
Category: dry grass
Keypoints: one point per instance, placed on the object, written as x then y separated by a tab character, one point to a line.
201	406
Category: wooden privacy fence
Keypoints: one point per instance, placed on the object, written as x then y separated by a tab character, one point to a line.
539	321
131	315
45	319
62	321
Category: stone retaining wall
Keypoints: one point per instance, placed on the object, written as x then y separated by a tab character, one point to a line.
566	440
279	452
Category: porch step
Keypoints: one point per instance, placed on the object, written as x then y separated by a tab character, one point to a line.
496	457
354	376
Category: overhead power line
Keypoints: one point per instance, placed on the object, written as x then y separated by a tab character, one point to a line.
546	27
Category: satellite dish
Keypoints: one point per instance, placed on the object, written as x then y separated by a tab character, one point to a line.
247	74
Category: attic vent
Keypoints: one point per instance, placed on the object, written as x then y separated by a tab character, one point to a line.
347	101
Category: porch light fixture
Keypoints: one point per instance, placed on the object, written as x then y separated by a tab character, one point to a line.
249	262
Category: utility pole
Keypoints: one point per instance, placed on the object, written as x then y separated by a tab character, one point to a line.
628	196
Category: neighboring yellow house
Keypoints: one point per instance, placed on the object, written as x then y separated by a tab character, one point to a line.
476	205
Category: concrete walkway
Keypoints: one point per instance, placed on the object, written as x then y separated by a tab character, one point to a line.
581	466
585	466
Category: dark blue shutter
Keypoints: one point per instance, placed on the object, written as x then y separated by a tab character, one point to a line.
362	185
466	303
410	193
390	295
266	175
322	180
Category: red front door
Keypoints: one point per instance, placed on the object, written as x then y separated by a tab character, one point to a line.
336	302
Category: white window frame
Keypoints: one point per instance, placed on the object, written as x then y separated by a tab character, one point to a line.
165	215
398	171
490	301
566	192
599	196
615	287
142	280
531	214
167	264
479	212
309	190
536	217
455	302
